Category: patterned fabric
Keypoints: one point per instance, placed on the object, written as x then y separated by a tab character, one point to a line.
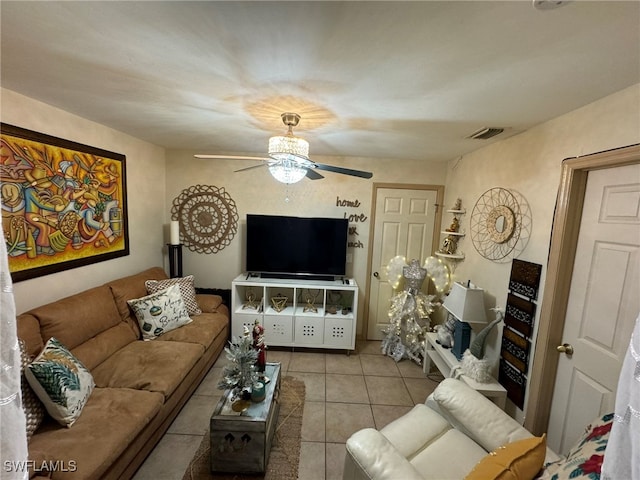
160	312
33	409
61	381
585	459
187	289
623	450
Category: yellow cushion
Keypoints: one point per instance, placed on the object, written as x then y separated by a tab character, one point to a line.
520	460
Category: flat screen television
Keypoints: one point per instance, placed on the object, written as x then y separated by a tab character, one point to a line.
292	247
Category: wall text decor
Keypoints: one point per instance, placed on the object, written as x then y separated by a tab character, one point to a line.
353	242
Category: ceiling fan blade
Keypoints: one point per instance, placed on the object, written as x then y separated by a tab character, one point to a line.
251	167
230	157
345	171
313	175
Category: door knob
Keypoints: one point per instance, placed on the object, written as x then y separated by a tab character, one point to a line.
375	274
565	348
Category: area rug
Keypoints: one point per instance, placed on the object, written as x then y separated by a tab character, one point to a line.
285	449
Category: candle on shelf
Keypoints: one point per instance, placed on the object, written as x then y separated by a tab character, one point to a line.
175	232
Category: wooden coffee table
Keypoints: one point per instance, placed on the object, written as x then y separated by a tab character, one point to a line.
241	442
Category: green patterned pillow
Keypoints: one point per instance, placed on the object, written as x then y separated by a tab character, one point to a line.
61	382
160	312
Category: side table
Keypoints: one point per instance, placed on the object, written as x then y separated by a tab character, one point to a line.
449	366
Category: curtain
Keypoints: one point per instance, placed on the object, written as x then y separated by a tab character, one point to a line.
622	456
13	440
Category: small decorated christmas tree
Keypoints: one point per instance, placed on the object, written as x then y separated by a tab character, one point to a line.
240	375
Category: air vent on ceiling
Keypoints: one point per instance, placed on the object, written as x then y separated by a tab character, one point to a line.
485	133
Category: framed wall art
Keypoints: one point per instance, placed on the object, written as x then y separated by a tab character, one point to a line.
64	204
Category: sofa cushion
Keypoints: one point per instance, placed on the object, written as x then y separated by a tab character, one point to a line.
97	349
61	382
476	416
203	330
425	424
130	287
75	319
111	419
210	303
520	460
187	290
450	456
160	312
79	318
153	366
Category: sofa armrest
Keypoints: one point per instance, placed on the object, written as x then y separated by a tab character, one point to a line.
371	456
475	415
208	303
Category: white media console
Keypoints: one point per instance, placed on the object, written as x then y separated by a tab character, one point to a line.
297	313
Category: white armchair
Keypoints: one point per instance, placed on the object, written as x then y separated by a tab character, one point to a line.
441	439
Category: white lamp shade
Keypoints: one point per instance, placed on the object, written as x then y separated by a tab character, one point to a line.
466	303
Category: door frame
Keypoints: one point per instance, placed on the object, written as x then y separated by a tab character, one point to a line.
439	189
564	239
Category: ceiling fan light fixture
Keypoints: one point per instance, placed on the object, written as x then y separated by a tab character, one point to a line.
283	145
287	171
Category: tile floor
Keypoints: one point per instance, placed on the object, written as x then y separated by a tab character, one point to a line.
344	393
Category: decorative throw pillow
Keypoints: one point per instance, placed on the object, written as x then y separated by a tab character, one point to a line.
187	289
585	458
61	382
31	404
160	312
520	460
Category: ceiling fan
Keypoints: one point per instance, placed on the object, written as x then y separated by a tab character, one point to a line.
288	159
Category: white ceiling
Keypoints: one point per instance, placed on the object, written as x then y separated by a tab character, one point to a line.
372	79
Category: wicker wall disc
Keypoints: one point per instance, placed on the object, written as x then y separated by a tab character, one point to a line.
500	224
208	218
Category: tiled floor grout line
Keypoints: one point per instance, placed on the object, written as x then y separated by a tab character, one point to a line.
370	371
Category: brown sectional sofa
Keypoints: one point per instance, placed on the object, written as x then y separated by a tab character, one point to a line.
140	385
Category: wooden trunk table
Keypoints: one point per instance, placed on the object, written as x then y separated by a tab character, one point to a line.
241	442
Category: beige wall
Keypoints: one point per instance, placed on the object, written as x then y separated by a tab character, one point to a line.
255	191
530	164
145	190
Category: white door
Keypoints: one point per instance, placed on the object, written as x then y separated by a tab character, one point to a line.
602	306
404	225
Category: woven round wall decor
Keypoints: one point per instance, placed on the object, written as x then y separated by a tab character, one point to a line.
208	218
500	224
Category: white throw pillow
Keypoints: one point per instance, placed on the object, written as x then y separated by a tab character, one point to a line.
61	382
187	289
160	312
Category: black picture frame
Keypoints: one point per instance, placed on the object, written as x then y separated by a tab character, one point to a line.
64	204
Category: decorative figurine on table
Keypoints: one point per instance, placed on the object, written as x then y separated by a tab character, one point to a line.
455	225
449	245
473	363
311	298
260	347
409	317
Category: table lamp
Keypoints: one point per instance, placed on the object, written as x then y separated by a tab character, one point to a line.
466	304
